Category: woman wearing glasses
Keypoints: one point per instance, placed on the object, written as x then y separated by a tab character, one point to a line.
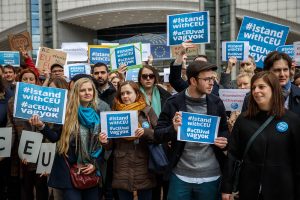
155	97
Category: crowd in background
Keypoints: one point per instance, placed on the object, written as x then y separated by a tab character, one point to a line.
271	168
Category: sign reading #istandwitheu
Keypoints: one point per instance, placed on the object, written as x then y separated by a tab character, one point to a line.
48	103
263	37
188	26
118	124
198	128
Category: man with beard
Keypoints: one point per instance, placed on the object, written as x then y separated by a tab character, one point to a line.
195	168
106	90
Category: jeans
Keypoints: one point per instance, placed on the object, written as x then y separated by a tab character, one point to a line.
142	194
180	190
87	194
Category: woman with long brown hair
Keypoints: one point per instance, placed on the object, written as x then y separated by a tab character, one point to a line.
271	167
130	162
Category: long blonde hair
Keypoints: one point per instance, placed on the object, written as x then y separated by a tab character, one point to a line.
71	126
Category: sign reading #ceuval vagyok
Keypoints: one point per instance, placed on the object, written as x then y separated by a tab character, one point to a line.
49	103
118	124
198	128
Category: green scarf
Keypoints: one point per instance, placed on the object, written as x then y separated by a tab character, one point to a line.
155	101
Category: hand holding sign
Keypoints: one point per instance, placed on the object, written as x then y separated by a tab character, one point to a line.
231	64
139	132
24	53
177	121
221	142
122	69
35	121
103	138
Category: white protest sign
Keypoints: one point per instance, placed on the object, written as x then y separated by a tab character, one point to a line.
297	53
233	98
166	75
237	49
146	51
79	68
46	158
5	141
118	124
109	44
29	146
77	51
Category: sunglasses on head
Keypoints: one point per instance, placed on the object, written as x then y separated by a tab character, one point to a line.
146	76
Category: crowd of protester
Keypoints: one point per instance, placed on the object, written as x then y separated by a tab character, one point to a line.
270	170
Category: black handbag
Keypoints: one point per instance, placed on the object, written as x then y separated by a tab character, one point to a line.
158	161
238	163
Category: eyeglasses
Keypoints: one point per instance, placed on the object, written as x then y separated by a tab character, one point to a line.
243	64
146	76
207	79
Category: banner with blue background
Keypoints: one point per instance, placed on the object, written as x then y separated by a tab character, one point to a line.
288	49
132	75
47	102
160	52
240	50
188	26
128	54
10	58
79	68
99	53
263	37
198	128
118	124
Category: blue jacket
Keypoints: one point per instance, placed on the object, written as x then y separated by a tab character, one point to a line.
164	131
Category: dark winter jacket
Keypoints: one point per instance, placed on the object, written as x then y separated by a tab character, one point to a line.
165	132
272	162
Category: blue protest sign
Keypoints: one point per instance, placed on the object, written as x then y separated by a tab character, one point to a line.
98	53
188	26
73	69
198	128
10	58
240	50
132	75
128	54
160	52
49	103
263	37
118	124
288	49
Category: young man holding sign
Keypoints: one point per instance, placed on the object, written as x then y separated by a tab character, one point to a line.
195	167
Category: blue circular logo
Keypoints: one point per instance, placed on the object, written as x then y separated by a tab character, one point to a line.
234	105
145	125
282	127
